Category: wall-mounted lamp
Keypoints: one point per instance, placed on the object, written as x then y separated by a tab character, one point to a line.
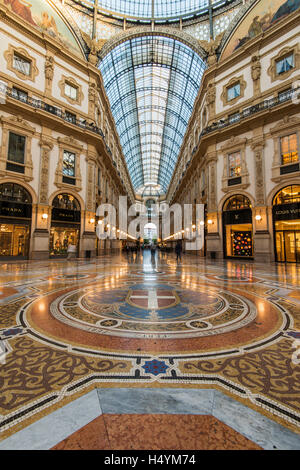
202	222
258	217
100	222
45	216
210	222
92	221
193	227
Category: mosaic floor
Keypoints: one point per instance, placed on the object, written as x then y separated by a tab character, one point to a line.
70	328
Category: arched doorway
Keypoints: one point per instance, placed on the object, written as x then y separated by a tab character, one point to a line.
150	233
237	227
15	221
65	225
286	224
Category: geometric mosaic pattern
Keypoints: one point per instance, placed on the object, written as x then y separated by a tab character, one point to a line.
69	327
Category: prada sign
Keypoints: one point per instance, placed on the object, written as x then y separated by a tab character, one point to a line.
15	209
286	211
65	215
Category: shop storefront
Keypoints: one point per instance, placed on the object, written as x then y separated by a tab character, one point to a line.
237	227
65	225
15	221
286	223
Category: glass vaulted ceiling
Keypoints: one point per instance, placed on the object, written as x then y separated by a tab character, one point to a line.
152	83
162	10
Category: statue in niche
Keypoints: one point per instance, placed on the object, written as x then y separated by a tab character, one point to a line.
255	68
49	70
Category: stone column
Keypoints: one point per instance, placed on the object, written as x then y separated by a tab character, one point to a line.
262	238
89	234
40	237
213	238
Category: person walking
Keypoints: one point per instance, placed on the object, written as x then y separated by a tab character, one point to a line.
178	251
71	251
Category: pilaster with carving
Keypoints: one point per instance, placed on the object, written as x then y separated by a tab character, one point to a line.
92	99
46	148
211	101
49	73
256	74
258	146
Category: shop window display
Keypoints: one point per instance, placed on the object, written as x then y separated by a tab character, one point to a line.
61	238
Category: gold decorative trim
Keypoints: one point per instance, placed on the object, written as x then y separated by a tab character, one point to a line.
281	54
233	81
235	144
17	125
9	57
73	83
70	144
289	125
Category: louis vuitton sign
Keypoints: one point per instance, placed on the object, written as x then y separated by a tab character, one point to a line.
286	211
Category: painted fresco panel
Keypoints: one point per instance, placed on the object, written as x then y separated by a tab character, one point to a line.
42	15
260	18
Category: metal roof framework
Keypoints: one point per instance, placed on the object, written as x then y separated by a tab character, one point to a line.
152	82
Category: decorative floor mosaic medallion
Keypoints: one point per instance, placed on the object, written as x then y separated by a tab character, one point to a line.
68	327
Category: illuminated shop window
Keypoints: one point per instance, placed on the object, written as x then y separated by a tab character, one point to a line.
289	149
234	164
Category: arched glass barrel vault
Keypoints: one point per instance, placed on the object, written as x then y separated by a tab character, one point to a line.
151	82
161	10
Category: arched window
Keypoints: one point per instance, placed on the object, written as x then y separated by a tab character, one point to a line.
13	192
236	203
287	195
66	201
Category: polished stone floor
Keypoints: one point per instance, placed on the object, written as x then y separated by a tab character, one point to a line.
136	352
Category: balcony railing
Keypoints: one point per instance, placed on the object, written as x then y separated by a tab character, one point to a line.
5	91
250	111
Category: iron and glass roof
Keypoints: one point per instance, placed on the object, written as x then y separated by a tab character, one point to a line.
152	83
162	10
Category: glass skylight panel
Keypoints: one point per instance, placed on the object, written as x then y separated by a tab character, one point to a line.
151	83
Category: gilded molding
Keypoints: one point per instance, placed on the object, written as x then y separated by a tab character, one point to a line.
233	81
70	144
9	56
281	54
18	125
75	84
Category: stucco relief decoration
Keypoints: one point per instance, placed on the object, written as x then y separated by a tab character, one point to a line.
49	71
211	48
46	148
94	45
257	148
44	17
260	18
211	99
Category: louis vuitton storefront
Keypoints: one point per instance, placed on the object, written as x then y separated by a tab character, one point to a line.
15	221
237	227
286	223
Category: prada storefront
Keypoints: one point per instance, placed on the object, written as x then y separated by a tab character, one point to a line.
286	221
15	221
237	227
65	225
